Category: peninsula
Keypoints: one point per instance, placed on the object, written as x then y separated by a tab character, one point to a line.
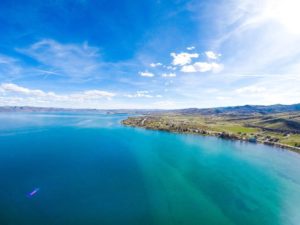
277	125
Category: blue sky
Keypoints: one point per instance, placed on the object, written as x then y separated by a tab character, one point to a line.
150	53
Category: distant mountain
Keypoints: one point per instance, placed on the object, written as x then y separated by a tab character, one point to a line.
234	110
28	109
246	109
42	109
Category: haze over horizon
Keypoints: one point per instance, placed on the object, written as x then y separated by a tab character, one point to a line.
159	54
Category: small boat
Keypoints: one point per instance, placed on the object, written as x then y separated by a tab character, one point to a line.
34	192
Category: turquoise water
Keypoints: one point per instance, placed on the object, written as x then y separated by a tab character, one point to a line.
88	169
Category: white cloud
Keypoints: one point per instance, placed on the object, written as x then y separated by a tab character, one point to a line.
146	74
190	48
13	92
183	58
95	94
13	88
168	75
71	60
142	94
212	55
223	98
171	68
188	69
250	89
155	65
202	67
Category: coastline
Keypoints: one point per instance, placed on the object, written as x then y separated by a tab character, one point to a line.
141	122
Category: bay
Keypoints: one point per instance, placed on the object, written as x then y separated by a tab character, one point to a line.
89	169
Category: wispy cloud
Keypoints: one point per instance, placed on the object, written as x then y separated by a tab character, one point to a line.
155	64
202	67
168	75
9	67
261	35
77	61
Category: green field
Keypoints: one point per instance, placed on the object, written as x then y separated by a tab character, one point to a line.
275	129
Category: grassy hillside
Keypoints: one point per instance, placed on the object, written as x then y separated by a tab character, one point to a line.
278	129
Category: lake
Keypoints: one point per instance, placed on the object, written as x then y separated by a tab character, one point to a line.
85	169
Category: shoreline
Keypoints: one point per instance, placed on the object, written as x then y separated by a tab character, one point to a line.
140	122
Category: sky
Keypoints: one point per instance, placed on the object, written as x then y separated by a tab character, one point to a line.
152	54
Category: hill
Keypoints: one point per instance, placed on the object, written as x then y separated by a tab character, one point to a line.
277	125
242	110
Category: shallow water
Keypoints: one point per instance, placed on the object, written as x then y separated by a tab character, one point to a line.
88	169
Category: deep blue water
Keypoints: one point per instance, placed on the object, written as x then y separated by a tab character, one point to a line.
89	169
